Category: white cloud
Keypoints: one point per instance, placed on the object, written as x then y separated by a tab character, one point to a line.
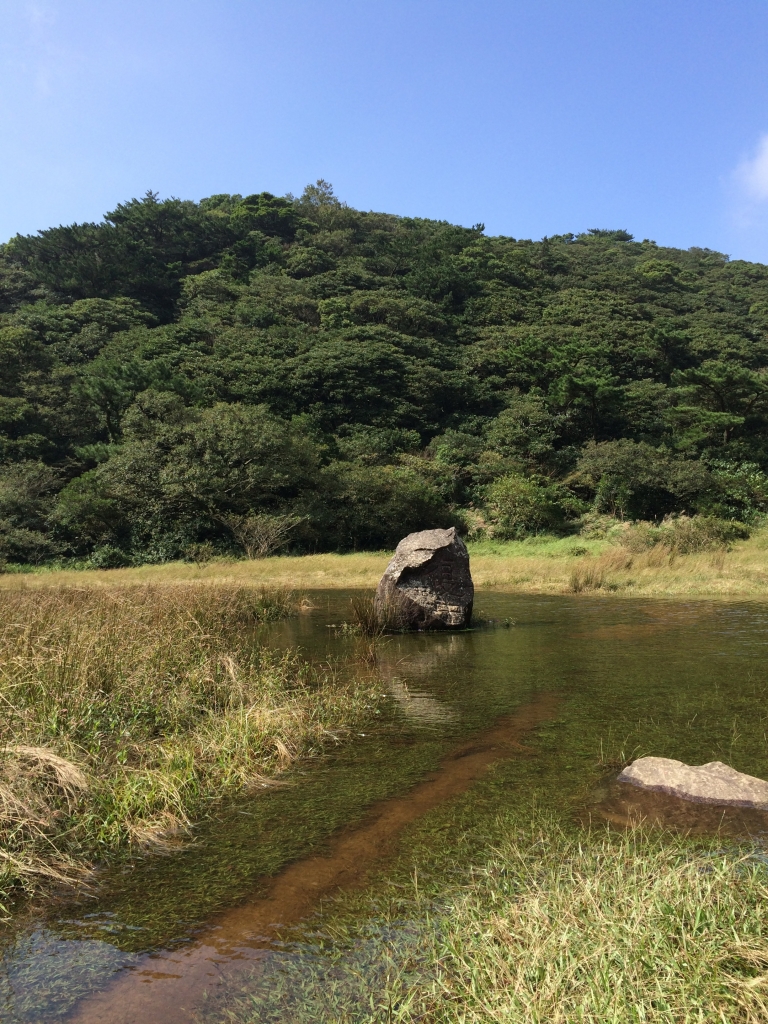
751	176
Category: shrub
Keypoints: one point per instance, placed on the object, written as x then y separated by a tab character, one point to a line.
597	526
108	557
524	431
519	505
173	481
259	534
373	507
742	491
685	535
200	553
633	480
27	492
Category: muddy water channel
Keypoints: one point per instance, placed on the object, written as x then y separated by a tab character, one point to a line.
284	900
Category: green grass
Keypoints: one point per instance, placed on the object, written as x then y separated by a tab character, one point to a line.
554	927
558	928
127	711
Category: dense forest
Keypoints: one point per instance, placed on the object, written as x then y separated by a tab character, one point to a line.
183	378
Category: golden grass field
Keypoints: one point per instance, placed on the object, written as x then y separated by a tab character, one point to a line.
538	565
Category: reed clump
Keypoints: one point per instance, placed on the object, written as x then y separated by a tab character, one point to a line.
127	710
365	620
376	616
371	622
600	573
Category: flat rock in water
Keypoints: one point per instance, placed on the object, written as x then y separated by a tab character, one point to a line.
427	585
713	783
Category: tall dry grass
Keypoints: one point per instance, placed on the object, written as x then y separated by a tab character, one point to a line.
679	550
601	573
125	711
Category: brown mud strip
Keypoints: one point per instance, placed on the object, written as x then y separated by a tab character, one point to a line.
168	985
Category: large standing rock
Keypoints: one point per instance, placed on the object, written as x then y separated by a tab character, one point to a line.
713	783
427	585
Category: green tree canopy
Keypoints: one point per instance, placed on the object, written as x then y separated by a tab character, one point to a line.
265	355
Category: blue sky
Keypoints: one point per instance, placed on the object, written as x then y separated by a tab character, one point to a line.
535	117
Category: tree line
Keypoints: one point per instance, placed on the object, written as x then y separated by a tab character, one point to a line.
182	372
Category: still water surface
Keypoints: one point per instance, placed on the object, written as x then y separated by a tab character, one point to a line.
536	704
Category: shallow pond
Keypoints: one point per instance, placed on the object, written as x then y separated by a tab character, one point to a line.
531	708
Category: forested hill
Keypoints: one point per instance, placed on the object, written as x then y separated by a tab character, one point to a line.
180	368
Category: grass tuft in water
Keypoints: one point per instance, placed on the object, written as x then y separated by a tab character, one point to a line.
371	623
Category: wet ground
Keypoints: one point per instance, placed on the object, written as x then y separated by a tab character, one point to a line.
543	702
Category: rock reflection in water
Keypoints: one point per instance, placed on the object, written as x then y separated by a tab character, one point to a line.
419	707
403	678
626	805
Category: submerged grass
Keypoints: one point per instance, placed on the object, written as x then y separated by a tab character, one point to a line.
555	927
127	710
603	928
